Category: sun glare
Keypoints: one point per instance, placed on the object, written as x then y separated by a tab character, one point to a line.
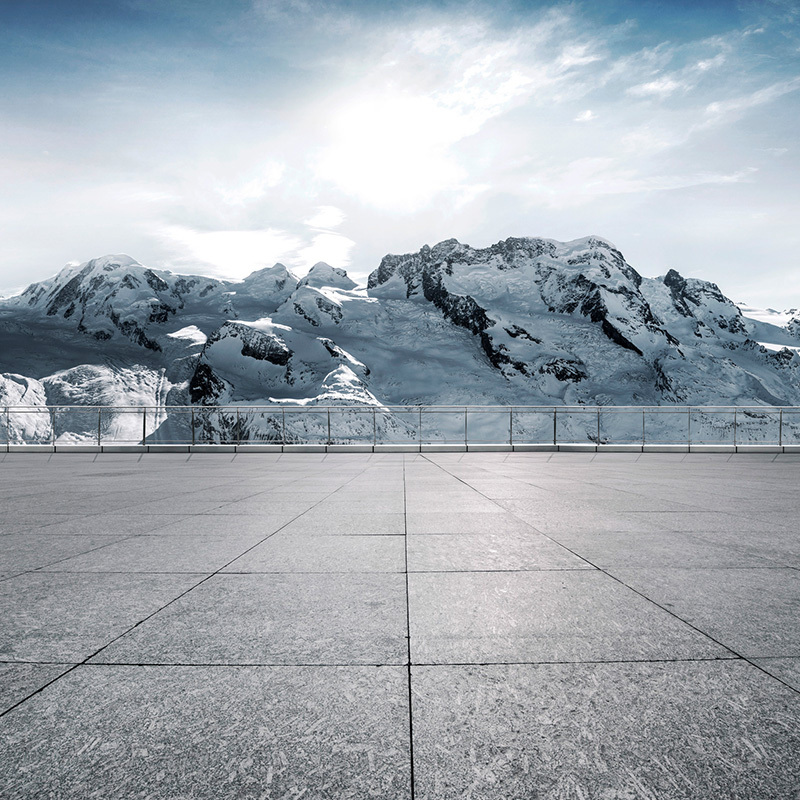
392	152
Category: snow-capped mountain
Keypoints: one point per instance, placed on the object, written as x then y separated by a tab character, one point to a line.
527	321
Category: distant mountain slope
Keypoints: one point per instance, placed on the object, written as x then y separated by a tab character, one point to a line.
526	321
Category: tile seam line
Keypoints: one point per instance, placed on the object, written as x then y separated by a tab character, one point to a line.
630	588
400	664
174	599
412	780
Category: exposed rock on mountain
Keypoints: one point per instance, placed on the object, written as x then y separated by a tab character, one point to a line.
524	322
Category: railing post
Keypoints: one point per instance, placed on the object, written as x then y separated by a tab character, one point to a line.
193	439
466	431
511	427
53	426
780	428
419	429
555	413
238	428
734	426
374	428
8	426
283	426
598	426
99	422
689	426
144	425
643	427
329	425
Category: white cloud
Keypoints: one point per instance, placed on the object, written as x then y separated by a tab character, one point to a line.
586	179
332	248
585	116
661	87
724	110
254	186
229	254
326	217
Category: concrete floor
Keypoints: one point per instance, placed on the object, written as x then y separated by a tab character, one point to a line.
613	626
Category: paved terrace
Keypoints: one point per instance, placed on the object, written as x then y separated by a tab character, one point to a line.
612	626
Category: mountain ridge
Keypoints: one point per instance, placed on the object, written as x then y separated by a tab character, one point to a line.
524	321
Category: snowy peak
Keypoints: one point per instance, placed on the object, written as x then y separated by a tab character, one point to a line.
524	321
322	274
704	303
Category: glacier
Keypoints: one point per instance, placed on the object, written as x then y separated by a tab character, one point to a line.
525	322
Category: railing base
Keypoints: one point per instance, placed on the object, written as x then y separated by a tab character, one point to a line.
572	447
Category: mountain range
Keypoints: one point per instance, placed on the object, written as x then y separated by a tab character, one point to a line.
526	321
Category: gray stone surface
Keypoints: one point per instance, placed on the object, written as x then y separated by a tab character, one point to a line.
67	617
208	733
275	619
19	681
786	669
661	731
468	552
578	615
286	552
581	626
755	612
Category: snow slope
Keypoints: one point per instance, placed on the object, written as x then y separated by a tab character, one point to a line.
527	321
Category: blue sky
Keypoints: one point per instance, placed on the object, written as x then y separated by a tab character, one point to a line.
209	136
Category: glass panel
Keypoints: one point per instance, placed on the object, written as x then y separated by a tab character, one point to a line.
619	425
442	425
306	425
352	425
75	425
532	425
711	426
29	426
666	425
576	425
489	426
398	425
790	425
754	426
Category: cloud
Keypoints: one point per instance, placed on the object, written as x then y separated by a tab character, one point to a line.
586	179
726	110
326	217
661	87
585	116
265	177
229	254
332	248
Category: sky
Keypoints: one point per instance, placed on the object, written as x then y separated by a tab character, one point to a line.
221	136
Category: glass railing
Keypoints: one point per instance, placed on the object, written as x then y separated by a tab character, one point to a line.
400	425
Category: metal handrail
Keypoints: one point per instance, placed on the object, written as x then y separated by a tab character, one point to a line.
237	424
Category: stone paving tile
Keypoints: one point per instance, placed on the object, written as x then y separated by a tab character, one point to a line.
293	553
608	549
714	729
21	551
275	619
203	553
258	526
67	617
101	524
322	524
786	669
208	733
498	522
752	611
464	552
575	615
18	681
